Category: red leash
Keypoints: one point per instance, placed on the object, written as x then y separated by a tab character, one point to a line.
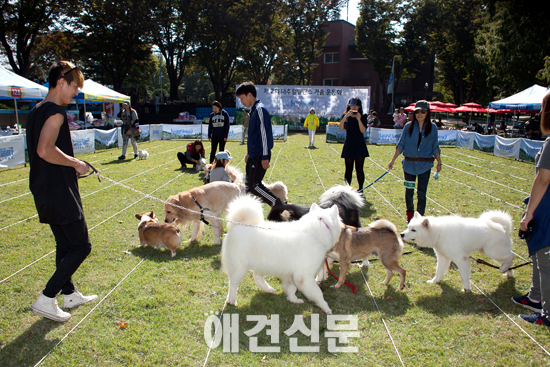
353	287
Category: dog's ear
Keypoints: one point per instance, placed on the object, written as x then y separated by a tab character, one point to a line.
417	215
314	207
426	223
153	215
138	216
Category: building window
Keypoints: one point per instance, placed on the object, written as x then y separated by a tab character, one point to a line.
332	57
332	82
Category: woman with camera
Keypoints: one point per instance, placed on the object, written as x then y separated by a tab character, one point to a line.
355	150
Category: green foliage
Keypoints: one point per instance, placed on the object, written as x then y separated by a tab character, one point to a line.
23	22
513	44
114	37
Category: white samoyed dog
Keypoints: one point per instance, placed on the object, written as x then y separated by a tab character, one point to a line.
453	238
292	251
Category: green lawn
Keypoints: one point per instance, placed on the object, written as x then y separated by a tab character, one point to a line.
166	301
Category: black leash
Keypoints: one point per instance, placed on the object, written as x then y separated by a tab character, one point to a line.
479	261
93	171
202	211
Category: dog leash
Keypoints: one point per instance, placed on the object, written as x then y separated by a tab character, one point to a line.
92	171
373	182
479	261
352	286
202	211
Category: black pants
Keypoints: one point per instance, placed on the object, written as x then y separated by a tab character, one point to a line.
183	159
73	246
421	189
359	172
215	142
254	175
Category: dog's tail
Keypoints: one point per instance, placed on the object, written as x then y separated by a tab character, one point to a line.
386	224
497	216
245	209
345	195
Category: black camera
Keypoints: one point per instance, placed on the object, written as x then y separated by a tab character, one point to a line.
526	234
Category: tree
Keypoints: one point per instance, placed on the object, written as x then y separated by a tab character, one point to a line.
376	37
224	30
114	36
50	47
268	51
23	22
513	44
175	25
306	18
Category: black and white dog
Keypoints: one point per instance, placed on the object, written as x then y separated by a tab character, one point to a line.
348	201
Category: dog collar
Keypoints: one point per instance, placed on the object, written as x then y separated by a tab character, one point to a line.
326	225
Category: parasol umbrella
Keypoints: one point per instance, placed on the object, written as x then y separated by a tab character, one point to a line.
471	104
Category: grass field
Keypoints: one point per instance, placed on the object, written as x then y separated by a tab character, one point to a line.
166	302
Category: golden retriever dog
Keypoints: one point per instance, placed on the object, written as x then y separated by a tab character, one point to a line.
211	199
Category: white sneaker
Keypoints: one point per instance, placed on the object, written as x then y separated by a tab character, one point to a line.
47	307
76	299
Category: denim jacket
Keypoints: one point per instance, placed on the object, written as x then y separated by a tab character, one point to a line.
428	148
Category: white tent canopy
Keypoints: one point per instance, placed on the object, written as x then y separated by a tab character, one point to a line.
528	100
96	92
17	87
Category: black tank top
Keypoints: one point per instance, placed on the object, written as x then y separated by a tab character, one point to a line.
54	187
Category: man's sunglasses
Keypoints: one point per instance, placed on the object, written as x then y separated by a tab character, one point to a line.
69	71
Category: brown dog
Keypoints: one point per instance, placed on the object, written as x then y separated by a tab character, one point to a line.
156	234
211	199
380	237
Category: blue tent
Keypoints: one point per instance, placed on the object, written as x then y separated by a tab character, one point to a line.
528	100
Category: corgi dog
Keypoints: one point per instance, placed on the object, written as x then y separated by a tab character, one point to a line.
157	234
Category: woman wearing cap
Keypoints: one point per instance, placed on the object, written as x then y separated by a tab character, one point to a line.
218	173
420	147
130	123
355	150
312	123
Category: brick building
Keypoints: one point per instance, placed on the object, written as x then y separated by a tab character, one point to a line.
341	64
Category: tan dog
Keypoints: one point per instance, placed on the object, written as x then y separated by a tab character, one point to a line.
156	234
380	237
212	198
279	189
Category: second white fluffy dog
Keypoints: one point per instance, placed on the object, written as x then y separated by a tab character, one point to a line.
292	251
454	238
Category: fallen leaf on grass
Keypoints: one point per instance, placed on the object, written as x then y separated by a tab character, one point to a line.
121	324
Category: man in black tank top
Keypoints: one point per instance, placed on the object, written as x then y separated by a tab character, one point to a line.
54	185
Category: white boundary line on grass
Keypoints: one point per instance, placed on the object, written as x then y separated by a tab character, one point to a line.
485	179
484	160
8	183
97	225
92	193
380	312
314	166
93	309
487	169
505	314
274	164
15	197
365	279
486	296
